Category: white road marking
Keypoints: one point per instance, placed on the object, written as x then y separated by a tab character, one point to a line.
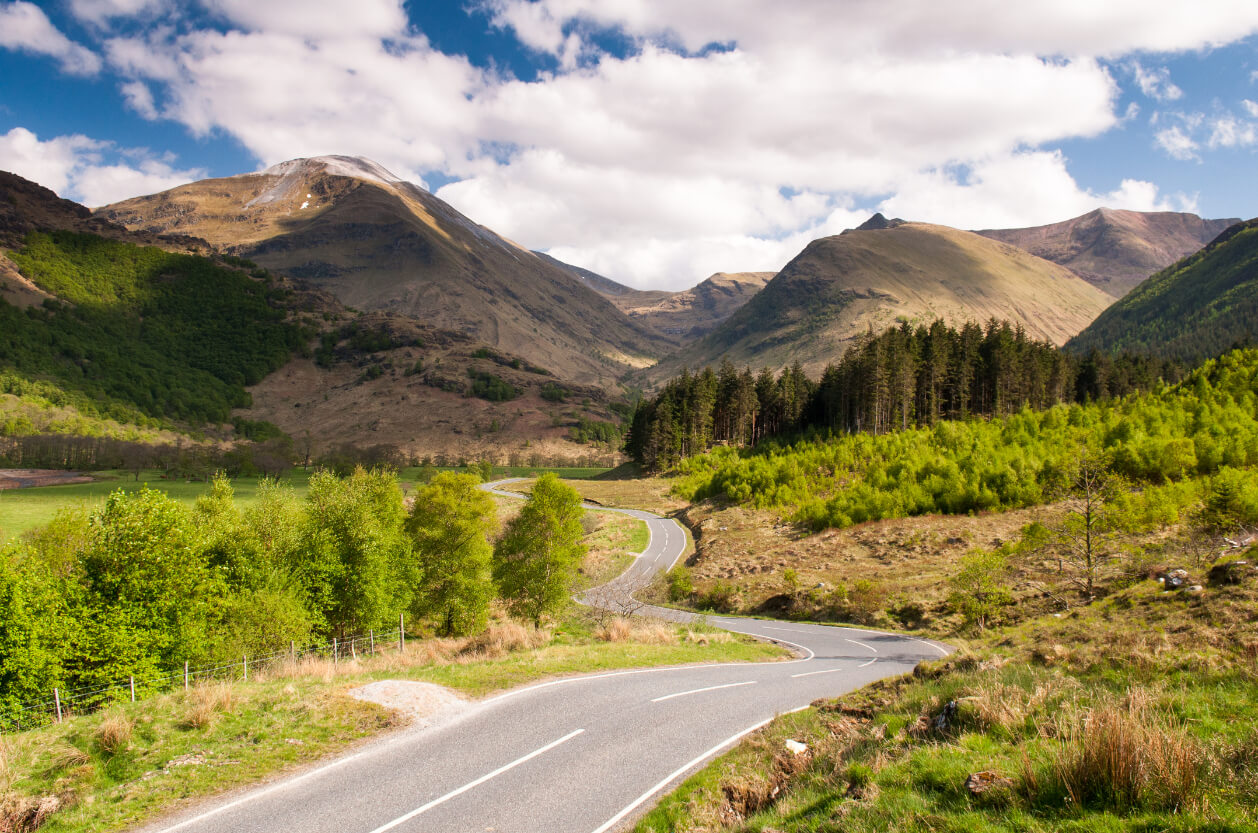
453	793
700	690
863	645
932	645
813	673
677	773
792	630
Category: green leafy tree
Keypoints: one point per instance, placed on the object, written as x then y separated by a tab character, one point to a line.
151	597
536	560
356	563
449	525
981	589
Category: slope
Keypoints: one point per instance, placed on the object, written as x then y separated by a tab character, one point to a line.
1199	307
840	287
350	227
693	313
1114	250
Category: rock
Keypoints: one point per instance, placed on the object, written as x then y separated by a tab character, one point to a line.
795	747
1174	579
944	720
986	781
1195	590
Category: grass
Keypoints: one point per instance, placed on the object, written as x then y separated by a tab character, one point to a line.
25	509
1135	713
137	761
649	493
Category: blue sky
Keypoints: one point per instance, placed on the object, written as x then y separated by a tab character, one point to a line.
653	141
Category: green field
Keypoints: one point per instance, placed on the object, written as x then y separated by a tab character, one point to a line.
24	509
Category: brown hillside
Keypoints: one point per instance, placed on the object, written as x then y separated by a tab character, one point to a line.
840	287
695	312
349	226
1113	249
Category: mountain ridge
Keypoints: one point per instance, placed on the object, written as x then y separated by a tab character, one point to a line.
1116	249
378	243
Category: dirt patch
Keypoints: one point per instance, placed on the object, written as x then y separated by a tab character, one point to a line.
31	478
909	560
422	704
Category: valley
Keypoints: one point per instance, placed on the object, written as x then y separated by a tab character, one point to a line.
888	446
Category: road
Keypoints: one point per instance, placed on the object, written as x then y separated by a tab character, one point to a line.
583	754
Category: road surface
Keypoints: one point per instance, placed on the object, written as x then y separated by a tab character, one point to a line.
583	754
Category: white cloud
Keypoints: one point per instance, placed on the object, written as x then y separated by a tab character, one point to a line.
25	28
1251	107
88	170
1016	190
100	12
1230	132
673	162
1177	143
1155	83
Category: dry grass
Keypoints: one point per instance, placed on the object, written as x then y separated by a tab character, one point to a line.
113	733
66	756
207	700
19	813
1127	755
645	632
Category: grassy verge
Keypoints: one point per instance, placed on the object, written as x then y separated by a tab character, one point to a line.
136	761
1136	713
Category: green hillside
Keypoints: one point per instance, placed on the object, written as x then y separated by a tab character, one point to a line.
1201	306
140	329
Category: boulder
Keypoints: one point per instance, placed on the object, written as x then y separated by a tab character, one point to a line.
944	720
1174	579
986	781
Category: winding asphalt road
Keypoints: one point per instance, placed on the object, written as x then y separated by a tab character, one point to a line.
582	754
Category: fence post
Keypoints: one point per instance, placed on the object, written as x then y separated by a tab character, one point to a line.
185	675
132	689
56	695
244	660
401	632
353	648
371	635
336	654
292	649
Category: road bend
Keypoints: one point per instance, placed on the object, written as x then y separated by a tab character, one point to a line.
584	754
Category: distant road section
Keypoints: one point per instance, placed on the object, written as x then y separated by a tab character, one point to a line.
583	754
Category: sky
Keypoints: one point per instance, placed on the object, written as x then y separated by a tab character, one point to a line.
655	141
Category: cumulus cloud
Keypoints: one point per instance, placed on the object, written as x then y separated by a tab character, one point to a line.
88	170
675	159
100	12
1177	143
24	27
1155	83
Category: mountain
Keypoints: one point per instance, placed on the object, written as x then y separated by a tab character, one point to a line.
1200	307
347	225
1113	249
695	312
840	287
101	331
681	316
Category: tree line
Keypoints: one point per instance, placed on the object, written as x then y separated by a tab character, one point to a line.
903	378
144	584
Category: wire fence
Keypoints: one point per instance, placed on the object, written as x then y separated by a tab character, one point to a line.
62	704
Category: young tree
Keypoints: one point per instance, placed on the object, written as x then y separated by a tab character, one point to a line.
1085	541
536	561
981	589
449	524
355	561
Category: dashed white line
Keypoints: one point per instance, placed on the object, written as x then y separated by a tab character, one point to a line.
700	690
499	771
863	645
680	771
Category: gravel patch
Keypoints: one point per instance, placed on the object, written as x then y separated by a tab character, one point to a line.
424	704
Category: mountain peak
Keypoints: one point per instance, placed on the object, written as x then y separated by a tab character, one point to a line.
878	222
354	167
